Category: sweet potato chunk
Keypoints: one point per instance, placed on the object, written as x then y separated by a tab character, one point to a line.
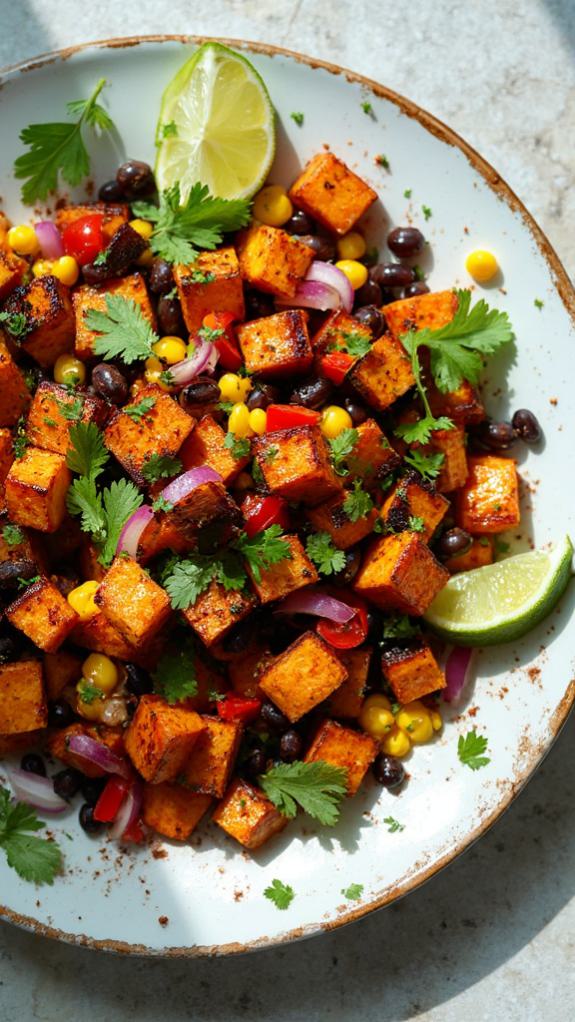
212	284
489	501
244	672
336	331
22	700
286	576
212	759
54	410
216	610
12	270
277	345
295	464
86	297
273	260
207	505
247	815
412	671
463	405
400	573
341	747
6	457
173	811
14	394
160	738
46	305
347	700
160	431
58	745
331	517
36	488
384	374
205	446
421	312
21	547
42	613
305	674
373	457
100	635
60	670
134	604
14	745
450	443
412	504
479	553
331	193
113	215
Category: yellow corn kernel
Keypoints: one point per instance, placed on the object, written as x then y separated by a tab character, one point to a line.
376	720
42	268
414	719
100	671
481	265
91	709
66	269
170	350
355	272
234	388
22	240
69	370
272	206
146	258
436	720
142	227
81	599
153	373
334	420
351	246
239	420
396	743
258	420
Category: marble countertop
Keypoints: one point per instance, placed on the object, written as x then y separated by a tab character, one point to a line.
493	935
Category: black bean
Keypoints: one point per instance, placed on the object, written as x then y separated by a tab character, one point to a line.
239	637
391	275
368	294
67	783
388	771
262	395
324	248
357	411
12	571
60	714
419	287
170	319
110	192
405	241
87	821
371	317
33	764
255	763
291	745
95	273
92	788
497	436
312	393
197	395
259	305
138	681
454	542
526	426
110	383
161	279
135	178
274	718
350	568
299	223
8	649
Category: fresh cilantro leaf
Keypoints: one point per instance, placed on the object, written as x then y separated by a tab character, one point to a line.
175	676
161	504
12	535
317	787
428	465
210	333
357	503
83	499
20	440
230	572
35	859
398	626
23	583
538	303
89	693
407	193
341	447
170	130
58	149
353	892
367	108
282	895
382	161
119	503
393	825
257	474
501	547
427	212
71	410
199	277
189	579
420	432
470	750
49	422
416	524
88	454
264	549
324	554
101	259
137	411
161	466
354	342
297	118
271	453
183	225
15	323
123	330
239	446
225	406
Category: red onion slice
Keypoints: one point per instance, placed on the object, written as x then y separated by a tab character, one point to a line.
35	791
459	669
99	755
184	484
330	275
310	601
212	360
205	355
128	812
312	294
49	239
133	529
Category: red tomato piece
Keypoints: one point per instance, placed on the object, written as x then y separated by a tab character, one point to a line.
261	512
226	344
288	416
350	635
235	707
107	806
336	366
84	238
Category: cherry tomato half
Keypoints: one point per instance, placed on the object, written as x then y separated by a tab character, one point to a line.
230	357
336	366
350	635
261	512
236	707
84	238
288	416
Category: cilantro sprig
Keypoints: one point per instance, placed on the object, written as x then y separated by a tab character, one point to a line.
175	676
470	749
122	330
34	858
239	447
281	894
263	550
341	447
353	342
321	550
139	410
358	502
428	465
316	787
353	892
161	466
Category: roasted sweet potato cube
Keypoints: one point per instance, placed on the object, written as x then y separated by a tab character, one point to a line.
22	699
384	374
160	431
414	506
17	545
205	446
331	193
172	810
113	215
247	815
14	745
277	345
12	270
14	394
412	671
132	288
479	553
6	457
463	405
347	700
60	670
450	443
43	614
161	533
295	464
36	488
216	610
210	683
133	602
208	505
212	284
286	576
100	635
273	260
337	330
160	738
54	410
421	312
58	745
331	517
489	501
341	747
212	758
373	457
301	677
90	565
244	672
47	307
400	573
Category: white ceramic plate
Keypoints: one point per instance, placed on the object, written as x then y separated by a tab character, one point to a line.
211	893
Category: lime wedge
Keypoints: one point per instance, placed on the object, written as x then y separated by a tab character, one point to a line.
216	126
502	601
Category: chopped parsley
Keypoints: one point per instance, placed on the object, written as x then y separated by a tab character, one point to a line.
358	502
15	323
71	410
470	750
210	333
538	303
161	466
23	583
316	787
34	858
416	524
239	447
122	330
398	626
353	892
175	677
137	411
341	447
428	465
90	693
354	343
20	440
382	161
321	550
367	108
297	118
407	193
12	535
161	504
271	453
282	895
393	825
200	277
49	422
427	211
263	550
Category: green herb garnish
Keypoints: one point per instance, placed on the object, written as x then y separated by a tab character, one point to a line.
470	750
239	447
297	118
321	550
34	858
161	466
357	503
123	330
428	465
282	895
316	787
137	411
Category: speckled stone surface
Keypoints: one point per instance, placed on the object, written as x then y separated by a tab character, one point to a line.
493	937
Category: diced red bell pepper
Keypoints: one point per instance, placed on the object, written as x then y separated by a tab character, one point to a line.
107	806
226	344
350	635
235	707
84	238
261	512
336	366
288	416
